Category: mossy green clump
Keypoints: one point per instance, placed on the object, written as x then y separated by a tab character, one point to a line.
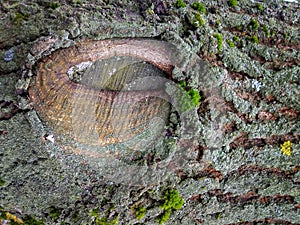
54	5
266	30
190	97
19	17
254	25
230	43
254	39
54	212
217	23
180	4
140	212
94	212
29	220
150	10
259	6
105	221
239	27
164	217
2	182
233	3
198	20
236	38
172	201
199	7
273	33
195	96
219	38
182	84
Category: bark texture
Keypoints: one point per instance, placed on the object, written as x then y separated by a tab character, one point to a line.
240	163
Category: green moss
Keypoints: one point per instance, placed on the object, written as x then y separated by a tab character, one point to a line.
199	7
94	212
151	191
189	98
2	214
266	30
180	4
150	10
198	21
195	96
217	23
233	3
259	6
172	201
54	5
105	221
230	43
29	220
219	38
19	17
2	182
254	39
184	103
254	25
182	84
54	212
236	38
140	212
164	217
239	27
273	33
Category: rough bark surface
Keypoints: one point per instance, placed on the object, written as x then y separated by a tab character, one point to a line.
250	176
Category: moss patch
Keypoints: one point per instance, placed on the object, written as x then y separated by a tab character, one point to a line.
180	4
254	39
199	7
254	25
2	182
233	3
54	5
219	38
140	212
198	20
172	201
190	97
106	221
54	212
230	43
